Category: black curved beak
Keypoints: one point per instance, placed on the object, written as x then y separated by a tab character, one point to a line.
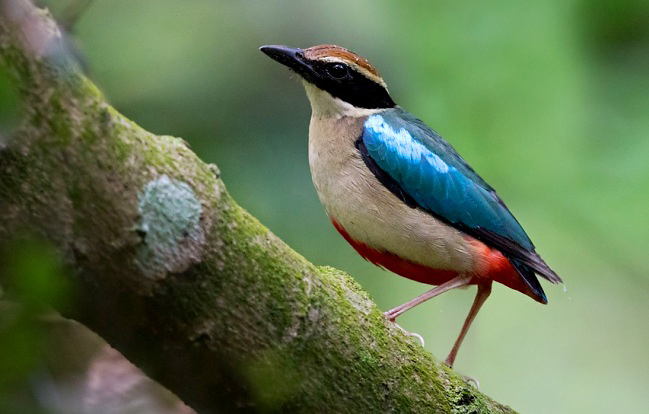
293	58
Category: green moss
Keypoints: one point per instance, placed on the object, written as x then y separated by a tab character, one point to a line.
272	378
15	171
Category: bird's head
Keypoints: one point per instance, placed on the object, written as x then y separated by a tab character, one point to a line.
337	81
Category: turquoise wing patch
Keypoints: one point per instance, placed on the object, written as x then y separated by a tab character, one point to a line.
431	172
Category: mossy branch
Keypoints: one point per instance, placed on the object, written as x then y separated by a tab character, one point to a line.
174	274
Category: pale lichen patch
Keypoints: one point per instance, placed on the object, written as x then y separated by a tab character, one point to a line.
172	238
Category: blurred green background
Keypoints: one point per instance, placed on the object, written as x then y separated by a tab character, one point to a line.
549	101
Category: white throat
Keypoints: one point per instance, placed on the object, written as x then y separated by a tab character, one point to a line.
323	104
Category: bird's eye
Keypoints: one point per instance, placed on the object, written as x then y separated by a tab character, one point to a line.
337	70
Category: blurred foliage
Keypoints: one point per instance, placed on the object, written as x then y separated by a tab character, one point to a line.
32	276
547	100
32	273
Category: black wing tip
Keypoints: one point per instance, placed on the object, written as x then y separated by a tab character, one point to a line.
529	276
552	277
540	267
514	250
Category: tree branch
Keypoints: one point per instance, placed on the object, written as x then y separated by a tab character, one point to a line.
180	279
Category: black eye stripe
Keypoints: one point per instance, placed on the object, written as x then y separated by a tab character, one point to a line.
354	87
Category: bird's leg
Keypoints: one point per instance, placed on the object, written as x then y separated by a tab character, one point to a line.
458	281
484	289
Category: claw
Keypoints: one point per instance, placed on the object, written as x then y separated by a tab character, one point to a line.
414	334
471	381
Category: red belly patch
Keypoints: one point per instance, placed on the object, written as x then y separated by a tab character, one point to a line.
490	265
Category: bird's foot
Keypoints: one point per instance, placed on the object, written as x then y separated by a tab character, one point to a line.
390	315
469	380
413	334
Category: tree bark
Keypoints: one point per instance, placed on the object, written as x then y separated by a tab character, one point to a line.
169	270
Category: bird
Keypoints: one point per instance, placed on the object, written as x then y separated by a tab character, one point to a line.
400	194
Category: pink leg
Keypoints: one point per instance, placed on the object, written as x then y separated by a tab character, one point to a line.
461	280
483	293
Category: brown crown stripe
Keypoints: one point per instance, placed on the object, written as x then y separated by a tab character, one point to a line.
321	51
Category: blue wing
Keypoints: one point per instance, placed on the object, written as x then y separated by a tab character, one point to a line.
418	166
